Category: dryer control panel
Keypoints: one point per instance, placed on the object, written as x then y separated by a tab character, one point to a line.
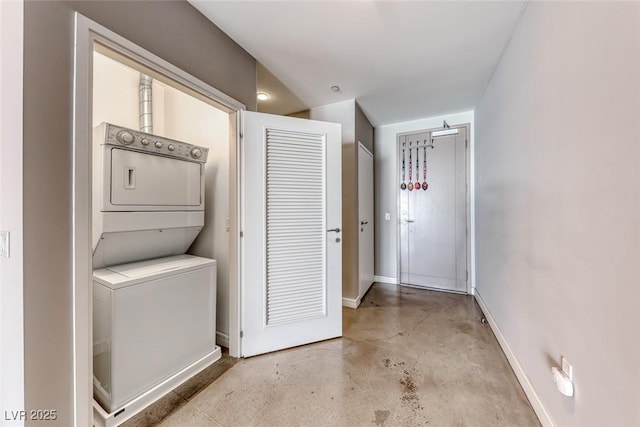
140	141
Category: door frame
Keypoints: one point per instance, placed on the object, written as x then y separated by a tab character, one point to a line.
366	150
467	127
86	32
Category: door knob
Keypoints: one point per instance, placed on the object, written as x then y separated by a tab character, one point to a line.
408	220
364	222
337	230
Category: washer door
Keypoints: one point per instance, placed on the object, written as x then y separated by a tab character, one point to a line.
139	179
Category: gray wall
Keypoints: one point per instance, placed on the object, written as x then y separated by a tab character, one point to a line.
558	206
355	127
172	30
344	113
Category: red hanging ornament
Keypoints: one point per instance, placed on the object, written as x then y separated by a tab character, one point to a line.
424	168
410	185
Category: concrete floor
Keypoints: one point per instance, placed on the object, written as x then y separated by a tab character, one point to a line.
408	357
172	401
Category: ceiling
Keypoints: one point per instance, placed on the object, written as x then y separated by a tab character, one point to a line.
281	100
401	60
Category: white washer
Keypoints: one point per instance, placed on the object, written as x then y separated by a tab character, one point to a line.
151	319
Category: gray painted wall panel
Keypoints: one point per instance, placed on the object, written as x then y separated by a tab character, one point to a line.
48	73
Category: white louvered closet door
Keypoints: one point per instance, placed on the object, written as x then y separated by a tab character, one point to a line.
291	245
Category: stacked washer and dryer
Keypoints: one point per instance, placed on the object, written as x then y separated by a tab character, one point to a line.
153	305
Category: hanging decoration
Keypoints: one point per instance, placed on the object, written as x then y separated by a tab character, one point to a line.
424	168
403	186
410	185
417	184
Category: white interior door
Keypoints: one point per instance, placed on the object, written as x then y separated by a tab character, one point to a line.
365	213
433	249
291	219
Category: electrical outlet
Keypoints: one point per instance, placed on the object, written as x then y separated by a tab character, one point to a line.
4	244
566	367
387	216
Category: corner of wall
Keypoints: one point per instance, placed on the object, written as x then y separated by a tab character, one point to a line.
344	112
11	209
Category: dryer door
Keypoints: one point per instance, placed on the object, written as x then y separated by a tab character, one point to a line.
147	180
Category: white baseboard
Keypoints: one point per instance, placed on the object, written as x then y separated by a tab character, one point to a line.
350	302
222	339
383	279
534	399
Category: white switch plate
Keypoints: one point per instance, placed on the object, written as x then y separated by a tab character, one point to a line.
387	216
566	367
4	244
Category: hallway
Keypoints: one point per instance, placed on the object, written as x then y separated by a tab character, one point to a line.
408	357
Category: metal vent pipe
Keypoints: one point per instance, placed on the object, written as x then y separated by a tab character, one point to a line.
145	100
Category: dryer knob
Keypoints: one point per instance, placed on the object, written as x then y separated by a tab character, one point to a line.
196	153
125	137
145	141
171	147
158	144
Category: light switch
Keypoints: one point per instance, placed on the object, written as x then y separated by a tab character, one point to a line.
4	244
387	216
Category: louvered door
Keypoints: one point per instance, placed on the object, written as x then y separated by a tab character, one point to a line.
291	248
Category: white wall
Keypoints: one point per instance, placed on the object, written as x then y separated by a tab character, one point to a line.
194	121
558	206
387	186
182	117
115	95
11	277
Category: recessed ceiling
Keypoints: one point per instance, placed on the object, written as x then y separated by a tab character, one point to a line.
400	60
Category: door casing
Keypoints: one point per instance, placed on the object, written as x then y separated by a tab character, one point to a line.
363	286
399	136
